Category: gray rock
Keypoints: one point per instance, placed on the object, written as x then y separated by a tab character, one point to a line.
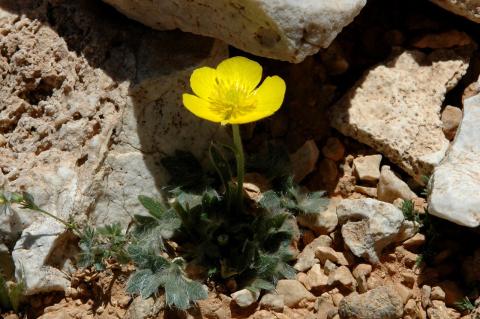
466	8
390	187
12	223
395	108
370	225
244	297
455	184
282	29
293	292
31	255
379	303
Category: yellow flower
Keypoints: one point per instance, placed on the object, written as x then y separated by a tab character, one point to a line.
229	93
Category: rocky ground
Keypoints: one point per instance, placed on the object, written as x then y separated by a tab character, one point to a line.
89	103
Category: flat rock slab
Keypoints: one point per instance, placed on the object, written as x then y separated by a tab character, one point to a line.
395	107
470	9
455	184
280	29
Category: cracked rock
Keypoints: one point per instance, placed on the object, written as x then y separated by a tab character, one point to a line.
395	107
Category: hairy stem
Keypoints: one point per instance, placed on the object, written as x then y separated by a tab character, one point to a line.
240	158
69	226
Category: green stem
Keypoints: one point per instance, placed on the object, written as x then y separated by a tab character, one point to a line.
68	225
240	157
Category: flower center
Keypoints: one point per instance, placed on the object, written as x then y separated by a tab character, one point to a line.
232	99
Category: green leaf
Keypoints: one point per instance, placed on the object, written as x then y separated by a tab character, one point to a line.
465	305
4	294
143	282
210	198
162	224
97	245
273	162
16	294
313	203
270	201
180	291
259	284
185	171
188	200
155	208
86	244
29	202
111	231
221	164
143	257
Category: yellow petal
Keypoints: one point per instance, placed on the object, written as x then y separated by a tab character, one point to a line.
269	97
240	71
200	108
203	82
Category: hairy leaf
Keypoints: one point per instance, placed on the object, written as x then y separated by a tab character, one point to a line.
273	162
155	208
185	171
181	292
4	295
16	294
258	284
143	282
313	203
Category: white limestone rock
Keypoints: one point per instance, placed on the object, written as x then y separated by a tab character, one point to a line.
287	30
244	298
455	183
395	107
370	225
31	255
